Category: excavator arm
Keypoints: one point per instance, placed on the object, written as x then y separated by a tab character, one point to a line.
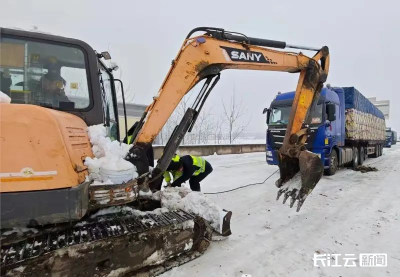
204	57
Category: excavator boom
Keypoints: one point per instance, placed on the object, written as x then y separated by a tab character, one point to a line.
204	57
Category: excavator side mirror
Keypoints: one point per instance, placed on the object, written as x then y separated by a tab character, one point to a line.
330	111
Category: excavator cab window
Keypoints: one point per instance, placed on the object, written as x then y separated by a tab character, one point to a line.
109	102
45	74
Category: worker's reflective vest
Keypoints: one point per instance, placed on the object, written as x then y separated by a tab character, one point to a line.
199	162
175	174
129	140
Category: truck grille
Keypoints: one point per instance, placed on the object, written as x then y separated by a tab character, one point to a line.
277	136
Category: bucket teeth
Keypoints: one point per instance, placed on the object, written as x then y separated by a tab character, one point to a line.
293	199
286	197
280	192
298	177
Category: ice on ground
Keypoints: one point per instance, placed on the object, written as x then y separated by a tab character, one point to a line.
193	202
4	98
109	162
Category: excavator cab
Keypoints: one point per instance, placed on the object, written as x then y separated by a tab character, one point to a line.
58	73
58	86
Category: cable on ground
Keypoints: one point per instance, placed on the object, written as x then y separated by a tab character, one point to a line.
244	186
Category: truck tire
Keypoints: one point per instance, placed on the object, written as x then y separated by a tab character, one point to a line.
376	152
333	164
362	156
354	163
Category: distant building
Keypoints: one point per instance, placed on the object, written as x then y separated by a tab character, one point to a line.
383	105
133	113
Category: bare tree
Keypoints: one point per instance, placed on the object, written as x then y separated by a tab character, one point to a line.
203	129
168	128
218	130
172	122
129	94
233	114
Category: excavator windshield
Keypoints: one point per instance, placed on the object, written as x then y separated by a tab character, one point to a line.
43	73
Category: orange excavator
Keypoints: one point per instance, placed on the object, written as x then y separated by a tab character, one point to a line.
58	87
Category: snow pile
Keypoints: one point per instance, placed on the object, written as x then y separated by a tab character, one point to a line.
109	165
127	210
4	98
193	202
21	231
294	183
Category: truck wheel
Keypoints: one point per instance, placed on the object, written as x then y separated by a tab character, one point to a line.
333	164
380	150
375	155
362	156
354	163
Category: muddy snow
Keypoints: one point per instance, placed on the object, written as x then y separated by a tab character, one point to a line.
350	213
192	202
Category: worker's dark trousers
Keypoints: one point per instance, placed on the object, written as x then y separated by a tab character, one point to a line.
194	181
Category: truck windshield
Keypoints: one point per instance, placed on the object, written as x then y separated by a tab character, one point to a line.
280	115
40	73
388	134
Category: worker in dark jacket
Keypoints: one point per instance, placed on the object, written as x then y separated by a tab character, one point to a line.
129	137
188	167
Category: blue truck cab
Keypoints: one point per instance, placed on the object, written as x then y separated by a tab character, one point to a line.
327	138
389	138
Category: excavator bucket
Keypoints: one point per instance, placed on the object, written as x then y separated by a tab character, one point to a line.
298	176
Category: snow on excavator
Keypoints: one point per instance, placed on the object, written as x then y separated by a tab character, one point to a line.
60	86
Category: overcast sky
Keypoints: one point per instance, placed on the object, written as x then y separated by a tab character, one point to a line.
144	36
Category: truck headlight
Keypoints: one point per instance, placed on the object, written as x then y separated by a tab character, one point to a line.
269	153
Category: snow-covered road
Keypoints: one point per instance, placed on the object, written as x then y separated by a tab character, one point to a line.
349	213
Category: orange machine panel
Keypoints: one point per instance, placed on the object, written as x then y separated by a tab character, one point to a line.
41	148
